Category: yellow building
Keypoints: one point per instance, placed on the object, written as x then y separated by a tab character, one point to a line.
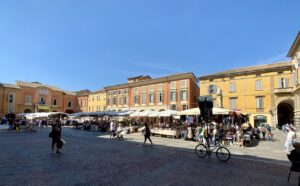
294	53
97	101
264	92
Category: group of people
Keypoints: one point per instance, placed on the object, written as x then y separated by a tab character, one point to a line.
236	134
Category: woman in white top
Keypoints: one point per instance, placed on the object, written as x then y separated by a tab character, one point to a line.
290	139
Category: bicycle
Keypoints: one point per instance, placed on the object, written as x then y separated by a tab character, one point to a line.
223	154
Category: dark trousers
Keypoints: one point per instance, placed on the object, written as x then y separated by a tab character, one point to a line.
147	136
55	140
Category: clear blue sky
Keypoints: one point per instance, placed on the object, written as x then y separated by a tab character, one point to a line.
93	43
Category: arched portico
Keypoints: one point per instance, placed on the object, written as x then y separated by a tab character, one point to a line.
285	112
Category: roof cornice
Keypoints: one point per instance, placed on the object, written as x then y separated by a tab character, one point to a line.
250	70
294	46
174	77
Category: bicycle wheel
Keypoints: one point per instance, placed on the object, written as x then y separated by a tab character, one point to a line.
223	154
201	150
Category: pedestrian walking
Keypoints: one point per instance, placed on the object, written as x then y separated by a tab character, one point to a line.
147	133
263	131
55	134
290	139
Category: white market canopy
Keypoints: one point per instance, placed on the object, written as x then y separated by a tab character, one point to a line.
221	111
196	111
193	111
167	113
40	114
152	113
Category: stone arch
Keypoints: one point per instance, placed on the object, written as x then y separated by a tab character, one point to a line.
285	111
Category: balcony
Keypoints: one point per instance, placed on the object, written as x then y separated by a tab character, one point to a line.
283	90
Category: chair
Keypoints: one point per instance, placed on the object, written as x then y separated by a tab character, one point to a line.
295	167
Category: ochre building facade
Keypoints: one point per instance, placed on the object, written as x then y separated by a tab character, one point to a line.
294	54
97	101
263	92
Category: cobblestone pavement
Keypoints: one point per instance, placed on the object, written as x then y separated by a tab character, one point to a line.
90	158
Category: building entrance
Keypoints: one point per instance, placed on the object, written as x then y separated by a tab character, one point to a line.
285	113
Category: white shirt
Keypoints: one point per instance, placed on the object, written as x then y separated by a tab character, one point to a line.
291	135
112	126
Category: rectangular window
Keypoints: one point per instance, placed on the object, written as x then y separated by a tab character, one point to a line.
151	97
114	100
212	89
10	98
11	102
160	97
232	103
136	90
125	100
136	99
160	87
184	107
28	99
283	83
120	91
125	91
69	103
183	83
54	102
259	102
258	85
173	107
98	98
144	98
120	100
108	101
183	95
173	96
151	88
173	85
231	87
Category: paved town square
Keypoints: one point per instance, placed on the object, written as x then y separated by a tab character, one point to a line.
91	158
